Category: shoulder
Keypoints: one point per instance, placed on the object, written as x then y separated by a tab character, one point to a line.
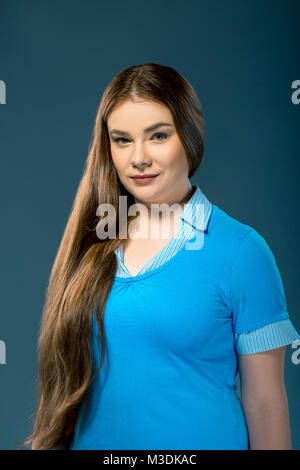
223	222
228	233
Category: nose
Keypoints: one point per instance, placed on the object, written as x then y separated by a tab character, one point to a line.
140	157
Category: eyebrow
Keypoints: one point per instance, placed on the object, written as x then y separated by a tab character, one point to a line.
148	129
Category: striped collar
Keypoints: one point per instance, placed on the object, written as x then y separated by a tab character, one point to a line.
197	210
195	215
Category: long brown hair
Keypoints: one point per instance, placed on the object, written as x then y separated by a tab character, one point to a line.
85	266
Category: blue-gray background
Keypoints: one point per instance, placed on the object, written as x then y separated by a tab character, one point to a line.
56	58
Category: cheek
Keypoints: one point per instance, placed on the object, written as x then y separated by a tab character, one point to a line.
175	155
117	160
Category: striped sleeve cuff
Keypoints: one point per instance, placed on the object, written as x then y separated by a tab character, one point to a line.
271	336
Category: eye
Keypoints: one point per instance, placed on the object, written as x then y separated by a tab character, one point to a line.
165	136
117	139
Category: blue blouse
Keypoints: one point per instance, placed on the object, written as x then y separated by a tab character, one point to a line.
172	335
271	336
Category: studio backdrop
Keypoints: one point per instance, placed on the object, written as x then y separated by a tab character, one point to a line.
56	59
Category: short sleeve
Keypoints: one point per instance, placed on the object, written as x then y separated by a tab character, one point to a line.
272	336
257	293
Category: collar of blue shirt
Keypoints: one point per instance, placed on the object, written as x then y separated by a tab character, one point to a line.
197	210
196	213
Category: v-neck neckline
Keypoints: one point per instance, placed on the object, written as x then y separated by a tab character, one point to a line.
177	235
191	217
155	270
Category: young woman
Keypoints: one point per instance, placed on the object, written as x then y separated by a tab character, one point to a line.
142	336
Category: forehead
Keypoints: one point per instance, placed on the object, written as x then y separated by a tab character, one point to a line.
133	115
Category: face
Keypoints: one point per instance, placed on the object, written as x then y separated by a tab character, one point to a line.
144	141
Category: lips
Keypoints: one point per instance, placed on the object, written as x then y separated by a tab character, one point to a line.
143	176
144	179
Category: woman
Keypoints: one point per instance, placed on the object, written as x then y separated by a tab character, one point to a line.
142	336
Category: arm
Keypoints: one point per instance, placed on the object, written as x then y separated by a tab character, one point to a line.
264	399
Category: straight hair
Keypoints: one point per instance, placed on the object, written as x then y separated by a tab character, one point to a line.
85	266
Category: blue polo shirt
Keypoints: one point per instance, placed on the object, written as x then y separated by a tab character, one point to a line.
168	379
